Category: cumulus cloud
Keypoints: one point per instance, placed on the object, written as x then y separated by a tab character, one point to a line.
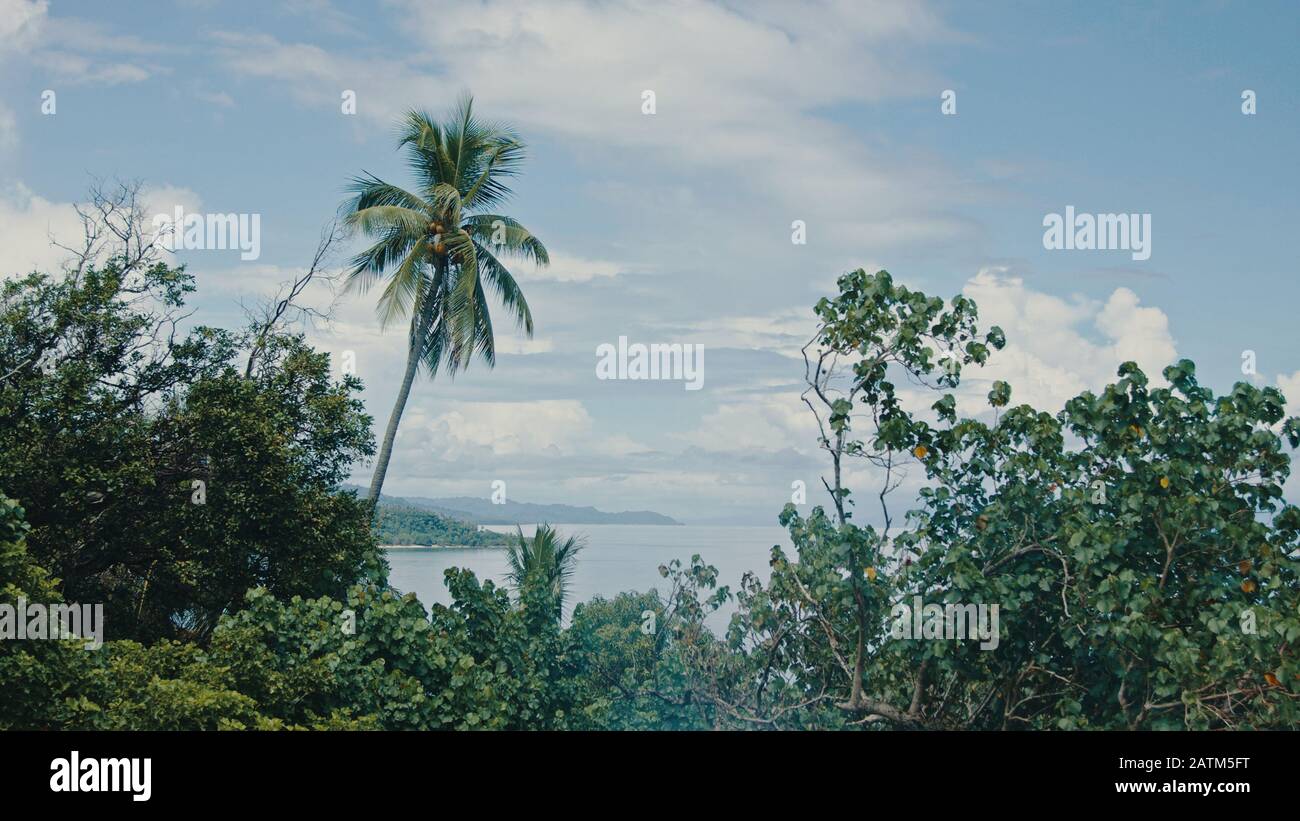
1058	347
543	443
165	198
502	428
27	224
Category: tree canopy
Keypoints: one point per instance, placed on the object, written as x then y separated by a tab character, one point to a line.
1136	544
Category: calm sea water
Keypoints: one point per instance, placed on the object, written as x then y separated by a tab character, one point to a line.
617	558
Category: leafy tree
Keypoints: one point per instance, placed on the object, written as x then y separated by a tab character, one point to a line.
1142	552
158	479
440	244
399	524
636	659
1136	543
37	675
376	660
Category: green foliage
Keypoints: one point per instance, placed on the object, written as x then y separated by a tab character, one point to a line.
376	661
373	660
1137	544
398	524
19	575
543	566
158	478
440	245
628	667
35	674
1129	539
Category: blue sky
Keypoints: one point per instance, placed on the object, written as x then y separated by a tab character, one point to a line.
675	227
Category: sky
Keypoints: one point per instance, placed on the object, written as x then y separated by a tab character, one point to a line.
930	139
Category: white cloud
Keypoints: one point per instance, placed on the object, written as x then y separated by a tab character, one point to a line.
27	222
756	422
565	268
740	91
74	51
163	199
20	25
1137	333
784	331
1290	387
1056	347
76	69
20	22
554	427
90	36
505	428
66	49
30	225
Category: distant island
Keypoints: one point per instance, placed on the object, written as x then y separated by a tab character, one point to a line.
403	525
483	512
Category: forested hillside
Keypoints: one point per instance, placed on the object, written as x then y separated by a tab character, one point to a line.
398	525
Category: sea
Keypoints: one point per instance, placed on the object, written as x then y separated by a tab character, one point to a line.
616	559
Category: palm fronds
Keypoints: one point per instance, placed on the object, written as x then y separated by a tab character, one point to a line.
543	564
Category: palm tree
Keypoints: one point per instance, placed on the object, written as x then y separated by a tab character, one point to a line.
439	245
544	563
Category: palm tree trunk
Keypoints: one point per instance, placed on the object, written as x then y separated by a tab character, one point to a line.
395	418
